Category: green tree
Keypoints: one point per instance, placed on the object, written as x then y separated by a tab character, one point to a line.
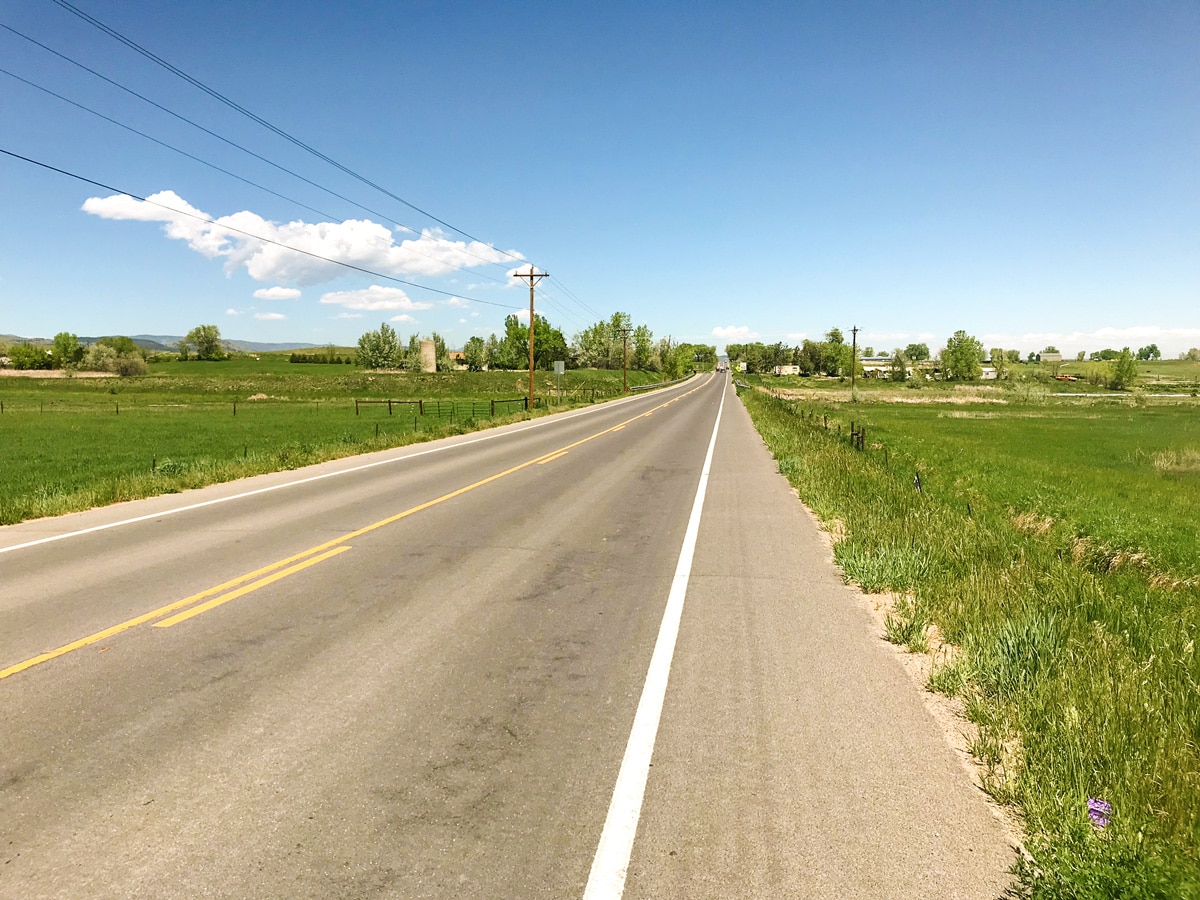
898	367
124	346
1193	355
379	349
206	341
99	358
643	348
917	352
26	356
1124	371
513	352
491	349
441	354
1014	356
1145	353
475	354
67	352
591	346
999	360
548	345
961	358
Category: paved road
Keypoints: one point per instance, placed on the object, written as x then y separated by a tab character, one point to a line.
415	674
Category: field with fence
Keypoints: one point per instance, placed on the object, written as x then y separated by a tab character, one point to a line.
73	443
1048	555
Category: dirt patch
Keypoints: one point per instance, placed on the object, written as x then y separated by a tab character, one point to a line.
52	373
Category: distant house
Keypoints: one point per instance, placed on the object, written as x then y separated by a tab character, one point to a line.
1048	357
876	366
458	359
787	370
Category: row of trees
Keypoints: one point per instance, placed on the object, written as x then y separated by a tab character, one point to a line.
107	354
961	359
608	344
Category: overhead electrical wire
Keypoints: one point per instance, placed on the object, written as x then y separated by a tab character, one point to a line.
221	169
276	130
217	95
287	136
257	237
235	145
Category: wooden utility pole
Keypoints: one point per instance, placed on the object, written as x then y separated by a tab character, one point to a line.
534	277
625	359
853	359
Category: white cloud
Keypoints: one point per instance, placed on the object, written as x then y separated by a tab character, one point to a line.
403	317
464	322
734	333
375	297
475	315
457	303
276	293
232	312
269	317
359	242
348	315
797	335
520	270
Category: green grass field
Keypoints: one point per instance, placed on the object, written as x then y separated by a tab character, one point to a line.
1056	548
72	444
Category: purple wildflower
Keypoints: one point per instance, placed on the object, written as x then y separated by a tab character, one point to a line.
1099	811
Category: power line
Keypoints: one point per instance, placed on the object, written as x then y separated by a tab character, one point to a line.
225	171
287	136
160	143
210	221
231	143
217	95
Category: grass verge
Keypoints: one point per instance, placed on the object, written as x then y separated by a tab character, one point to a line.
74	444
1083	679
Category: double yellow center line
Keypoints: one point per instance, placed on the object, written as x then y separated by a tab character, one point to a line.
182	610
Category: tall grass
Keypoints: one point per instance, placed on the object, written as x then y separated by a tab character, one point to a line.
1083	679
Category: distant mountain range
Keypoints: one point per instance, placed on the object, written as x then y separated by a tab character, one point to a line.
169	342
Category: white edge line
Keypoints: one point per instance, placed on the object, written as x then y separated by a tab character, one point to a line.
562	417
606	881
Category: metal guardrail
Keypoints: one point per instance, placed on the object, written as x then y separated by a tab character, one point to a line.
661	384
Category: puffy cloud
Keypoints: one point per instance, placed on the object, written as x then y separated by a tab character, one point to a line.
269	317
403	317
734	333
232	312
348	315
358	242
457	303
375	297
276	293
520	270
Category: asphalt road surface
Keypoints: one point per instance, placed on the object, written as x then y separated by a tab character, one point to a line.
442	671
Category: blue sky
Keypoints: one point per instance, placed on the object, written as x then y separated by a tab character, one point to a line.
1029	172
